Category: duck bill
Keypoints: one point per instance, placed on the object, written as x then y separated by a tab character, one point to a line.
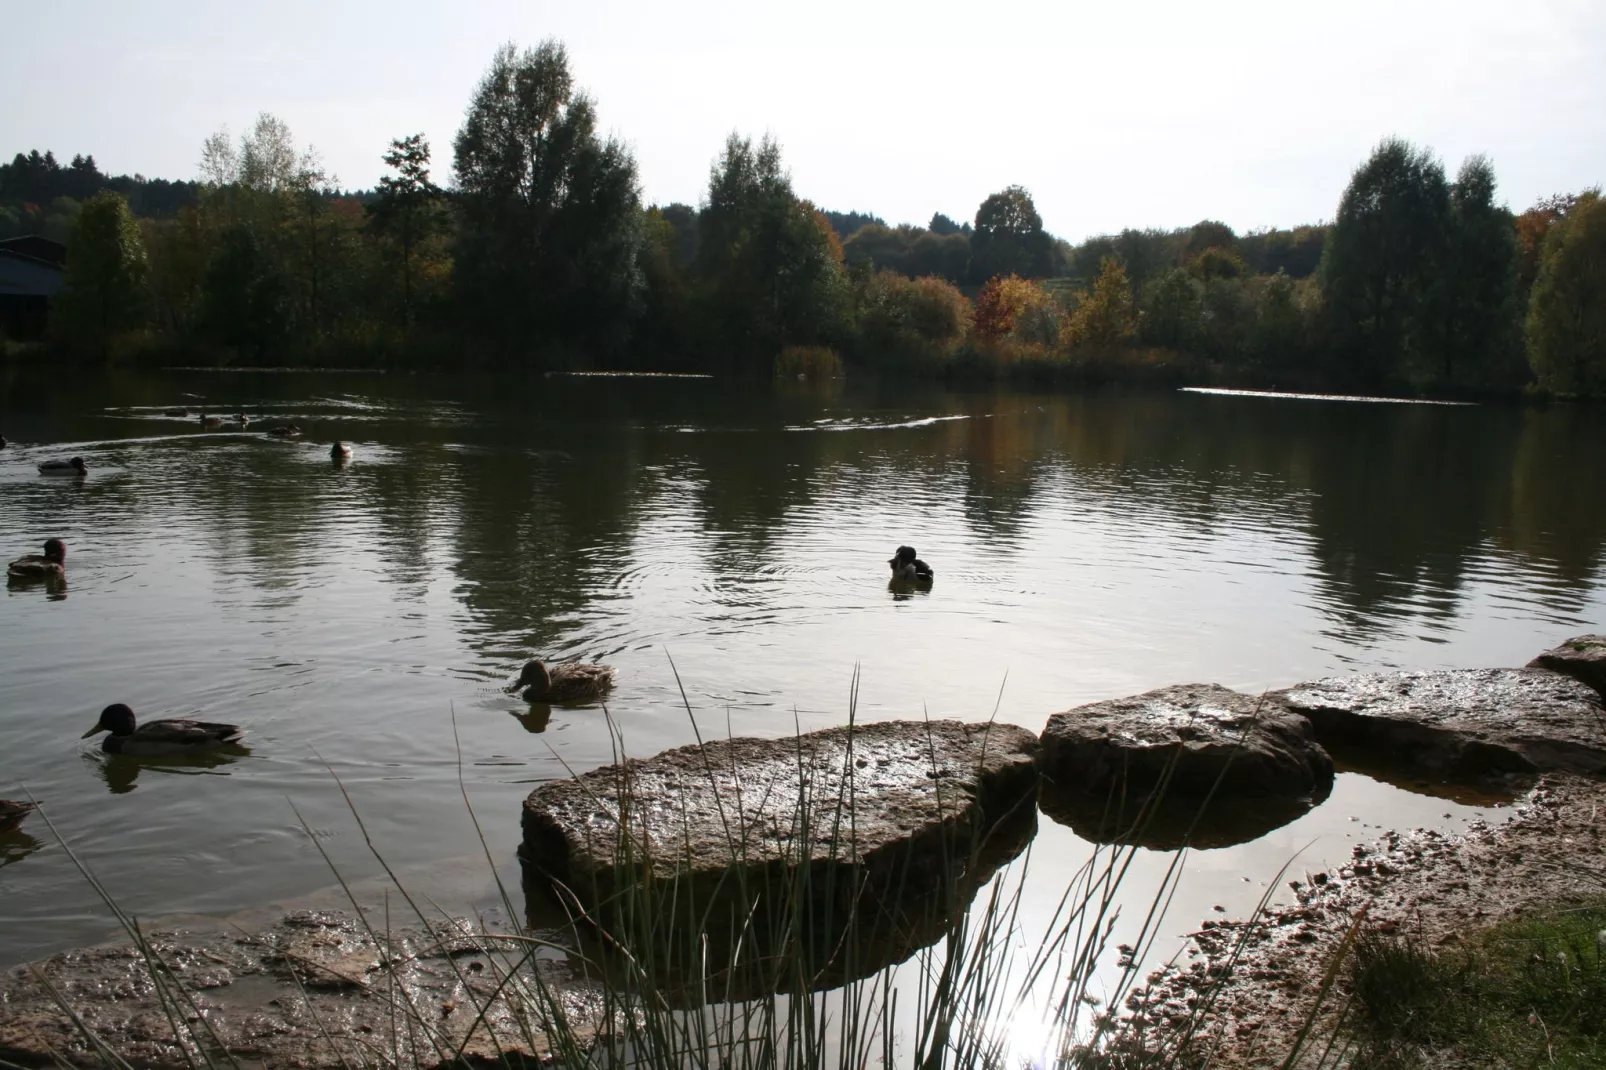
93	731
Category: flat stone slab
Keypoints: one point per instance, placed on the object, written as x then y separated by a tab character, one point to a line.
1463	724
1201	735
1194	763
781	849
316	991
864	796
1582	657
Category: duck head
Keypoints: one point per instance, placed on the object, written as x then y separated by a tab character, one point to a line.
535	677
904	556
78	463
55	550
117	719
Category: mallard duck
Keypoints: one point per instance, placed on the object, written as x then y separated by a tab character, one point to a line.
572	681
906	566
2	442
287	431
50	565
74	467
211	421
340	452
172	736
242	419
12	813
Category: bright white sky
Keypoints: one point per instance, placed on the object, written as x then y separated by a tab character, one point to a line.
1112	114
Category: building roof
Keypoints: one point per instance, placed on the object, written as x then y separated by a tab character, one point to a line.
33	247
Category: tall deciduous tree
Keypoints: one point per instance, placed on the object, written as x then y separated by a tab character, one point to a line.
1567	320
1009	237
408	207
551	212
1478	311
1381	262
106	289
770	264
1106	316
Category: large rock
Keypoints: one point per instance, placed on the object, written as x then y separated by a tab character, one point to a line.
1583	658
745	864
315	991
1194	763
1466	725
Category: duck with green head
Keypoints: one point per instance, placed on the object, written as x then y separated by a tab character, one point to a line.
570	682
174	735
51	565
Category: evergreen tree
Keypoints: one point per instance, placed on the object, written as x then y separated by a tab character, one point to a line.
407	209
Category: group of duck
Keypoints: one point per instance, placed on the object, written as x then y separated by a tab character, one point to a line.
538	682
339	452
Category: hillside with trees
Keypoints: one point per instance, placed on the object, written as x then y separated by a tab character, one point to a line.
538	251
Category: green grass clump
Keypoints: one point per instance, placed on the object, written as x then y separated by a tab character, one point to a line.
1527	992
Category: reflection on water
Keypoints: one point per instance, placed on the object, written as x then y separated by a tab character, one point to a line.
120	773
726	539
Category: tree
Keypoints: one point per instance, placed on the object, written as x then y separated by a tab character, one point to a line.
1381	262
1477	306
1172	313
1567	319
243	296
408	207
942	225
105	290
1009	237
1105	317
551	214
769	264
1009	302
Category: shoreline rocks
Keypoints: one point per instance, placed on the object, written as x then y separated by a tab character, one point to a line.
1195	763
1582	657
1470	725
743	865
315	991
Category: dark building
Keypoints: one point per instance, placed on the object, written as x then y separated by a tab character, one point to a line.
31	273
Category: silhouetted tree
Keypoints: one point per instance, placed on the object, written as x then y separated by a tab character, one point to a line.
1567	320
106	284
1009	237
551	213
407	209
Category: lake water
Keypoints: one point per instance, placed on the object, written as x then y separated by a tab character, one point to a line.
727	539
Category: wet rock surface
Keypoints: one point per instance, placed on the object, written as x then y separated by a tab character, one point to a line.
1582	657
1469	725
878	798
1259	763
314	991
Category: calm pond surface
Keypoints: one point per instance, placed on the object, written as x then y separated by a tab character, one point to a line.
357	619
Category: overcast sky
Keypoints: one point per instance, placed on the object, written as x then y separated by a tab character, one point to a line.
1112	114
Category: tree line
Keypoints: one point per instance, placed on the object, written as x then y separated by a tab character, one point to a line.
541	254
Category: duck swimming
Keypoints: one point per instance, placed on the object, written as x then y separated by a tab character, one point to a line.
906	566
570	682
242	419
340	452
287	431
52	564
74	467
12	813
211	421
174	735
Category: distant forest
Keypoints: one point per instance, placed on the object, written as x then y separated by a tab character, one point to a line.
541	254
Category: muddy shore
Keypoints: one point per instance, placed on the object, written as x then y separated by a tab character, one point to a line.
1259	979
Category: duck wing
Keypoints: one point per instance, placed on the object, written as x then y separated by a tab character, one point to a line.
179	734
579	680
